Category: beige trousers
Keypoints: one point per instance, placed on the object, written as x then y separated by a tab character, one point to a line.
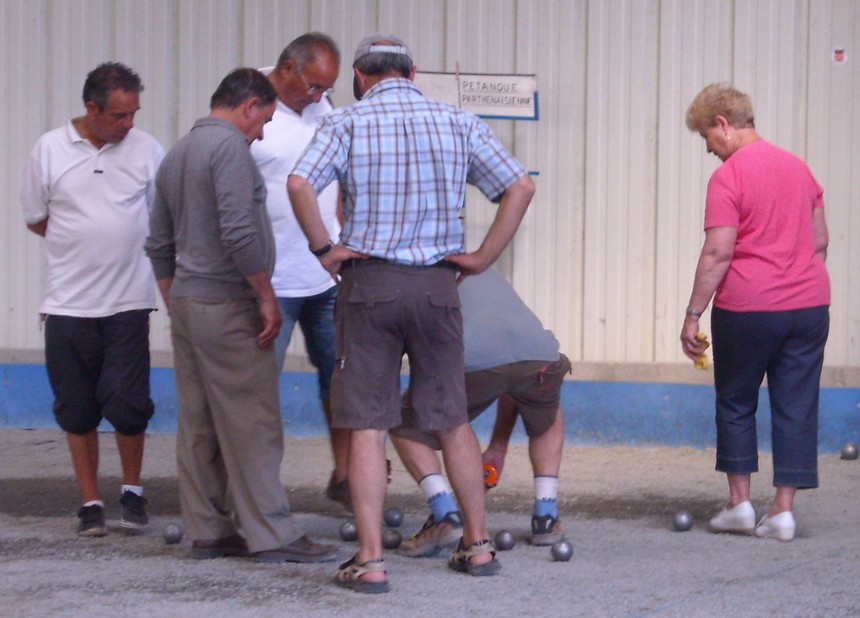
229	443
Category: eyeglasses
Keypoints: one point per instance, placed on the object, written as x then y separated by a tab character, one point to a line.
313	89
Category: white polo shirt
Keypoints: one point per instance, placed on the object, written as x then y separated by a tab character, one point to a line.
297	271
97	203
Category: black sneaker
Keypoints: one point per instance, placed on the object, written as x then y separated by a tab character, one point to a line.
134	515
92	521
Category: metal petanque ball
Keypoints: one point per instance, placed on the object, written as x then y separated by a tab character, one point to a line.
849	451
349	531
172	534
682	521
393	517
562	551
504	540
391	539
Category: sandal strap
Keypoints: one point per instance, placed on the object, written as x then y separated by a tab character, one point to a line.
479	548
372	566
352	569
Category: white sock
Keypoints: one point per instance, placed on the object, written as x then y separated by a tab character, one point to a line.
433	484
94	503
135	489
546	488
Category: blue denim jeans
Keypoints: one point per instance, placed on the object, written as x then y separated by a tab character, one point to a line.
315	316
788	347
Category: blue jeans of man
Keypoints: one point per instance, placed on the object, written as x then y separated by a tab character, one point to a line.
315	316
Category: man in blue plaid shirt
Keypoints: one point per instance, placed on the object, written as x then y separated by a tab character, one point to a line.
403	162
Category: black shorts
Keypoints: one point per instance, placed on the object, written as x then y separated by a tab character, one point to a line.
99	368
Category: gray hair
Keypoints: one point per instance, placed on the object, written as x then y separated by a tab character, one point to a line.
381	63
303	50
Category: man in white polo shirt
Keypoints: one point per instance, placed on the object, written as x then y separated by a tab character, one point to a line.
304	74
87	189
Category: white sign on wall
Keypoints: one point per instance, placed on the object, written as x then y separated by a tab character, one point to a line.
487	95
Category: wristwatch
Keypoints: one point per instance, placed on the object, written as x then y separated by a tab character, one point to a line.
693	313
322	250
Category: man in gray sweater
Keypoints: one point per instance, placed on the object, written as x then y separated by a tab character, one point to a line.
212	251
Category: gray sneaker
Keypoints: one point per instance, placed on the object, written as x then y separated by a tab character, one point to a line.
92	521
434	537
134	515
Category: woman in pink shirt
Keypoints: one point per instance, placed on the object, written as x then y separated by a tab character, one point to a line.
763	264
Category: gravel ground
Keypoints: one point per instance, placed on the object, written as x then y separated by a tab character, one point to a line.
617	504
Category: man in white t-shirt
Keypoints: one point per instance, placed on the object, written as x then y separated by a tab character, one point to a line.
87	189
303	77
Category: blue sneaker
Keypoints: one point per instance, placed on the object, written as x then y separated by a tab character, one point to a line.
546	530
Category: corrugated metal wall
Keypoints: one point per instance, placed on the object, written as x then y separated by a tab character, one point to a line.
607	252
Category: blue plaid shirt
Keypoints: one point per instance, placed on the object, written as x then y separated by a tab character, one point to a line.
403	162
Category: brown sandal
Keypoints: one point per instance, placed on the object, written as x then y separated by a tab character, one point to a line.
460	559
348	575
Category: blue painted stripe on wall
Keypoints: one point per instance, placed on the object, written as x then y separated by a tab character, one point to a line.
595	413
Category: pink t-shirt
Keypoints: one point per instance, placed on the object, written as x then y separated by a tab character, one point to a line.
768	195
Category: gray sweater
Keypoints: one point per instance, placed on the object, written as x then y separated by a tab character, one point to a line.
498	327
209	227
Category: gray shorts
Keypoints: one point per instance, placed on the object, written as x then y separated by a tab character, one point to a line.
384	311
535	387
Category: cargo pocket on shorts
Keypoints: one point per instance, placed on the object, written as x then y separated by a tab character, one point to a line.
447	327
367	311
371	295
365	392
447	299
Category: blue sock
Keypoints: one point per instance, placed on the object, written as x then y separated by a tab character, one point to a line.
546	506
440	505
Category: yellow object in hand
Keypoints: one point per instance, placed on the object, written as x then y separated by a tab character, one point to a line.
702	360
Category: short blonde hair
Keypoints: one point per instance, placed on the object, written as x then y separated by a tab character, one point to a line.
720	99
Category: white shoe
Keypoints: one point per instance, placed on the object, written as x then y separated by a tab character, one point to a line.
781	527
740	518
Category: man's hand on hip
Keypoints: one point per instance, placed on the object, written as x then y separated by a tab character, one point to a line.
333	259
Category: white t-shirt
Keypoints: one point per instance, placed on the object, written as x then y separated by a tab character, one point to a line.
97	203
298	272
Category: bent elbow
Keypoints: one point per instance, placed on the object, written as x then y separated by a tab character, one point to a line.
718	255
527	186
724	256
295	184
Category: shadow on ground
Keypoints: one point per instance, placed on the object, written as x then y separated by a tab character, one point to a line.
58	498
